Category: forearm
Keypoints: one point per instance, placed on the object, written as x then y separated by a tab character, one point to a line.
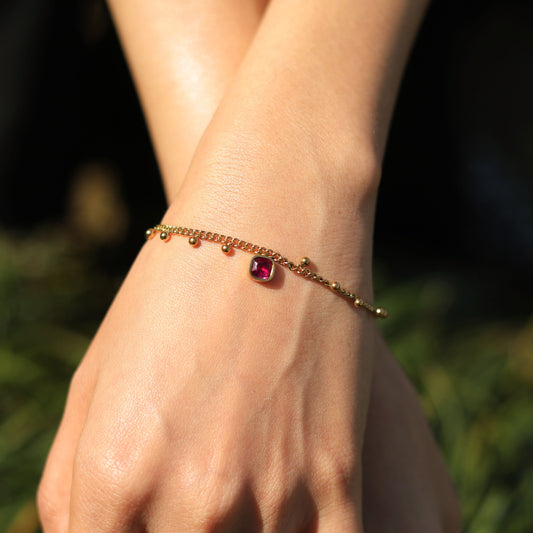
299	133
182	55
332	71
292	156
327	72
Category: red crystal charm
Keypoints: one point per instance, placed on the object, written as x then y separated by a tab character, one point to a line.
262	268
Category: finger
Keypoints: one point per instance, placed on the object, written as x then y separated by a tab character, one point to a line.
101	497
53	497
339	501
119	461
295	513
341	516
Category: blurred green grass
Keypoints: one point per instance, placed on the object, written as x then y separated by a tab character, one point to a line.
474	373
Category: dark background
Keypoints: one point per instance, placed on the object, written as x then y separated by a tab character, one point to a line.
454	233
457	177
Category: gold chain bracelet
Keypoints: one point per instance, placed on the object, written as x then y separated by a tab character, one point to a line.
263	264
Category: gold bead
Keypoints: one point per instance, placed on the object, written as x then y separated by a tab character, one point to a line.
380	312
194	241
358	302
149	234
164	236
305	261
335	286
226	248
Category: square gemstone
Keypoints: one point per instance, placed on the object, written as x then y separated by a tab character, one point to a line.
262	268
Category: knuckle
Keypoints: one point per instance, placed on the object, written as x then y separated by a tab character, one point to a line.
210	496
108	473
276	494
335	474
279	488
108	489
121	453
286	500
214	503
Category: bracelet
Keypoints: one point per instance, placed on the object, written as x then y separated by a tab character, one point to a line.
263	263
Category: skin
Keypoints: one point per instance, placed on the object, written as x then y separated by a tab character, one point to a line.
184	414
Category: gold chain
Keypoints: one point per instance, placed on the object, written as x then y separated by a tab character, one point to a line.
301	269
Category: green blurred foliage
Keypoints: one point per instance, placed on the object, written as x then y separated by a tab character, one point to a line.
52	297
474	375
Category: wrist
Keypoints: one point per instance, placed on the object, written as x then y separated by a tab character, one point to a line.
281	136
295	215
281	163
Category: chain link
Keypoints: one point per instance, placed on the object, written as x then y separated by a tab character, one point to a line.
301	269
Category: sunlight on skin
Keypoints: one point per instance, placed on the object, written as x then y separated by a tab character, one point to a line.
137	361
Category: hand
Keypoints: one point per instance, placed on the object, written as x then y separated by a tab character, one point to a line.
405	483
207	402
55	492
185	416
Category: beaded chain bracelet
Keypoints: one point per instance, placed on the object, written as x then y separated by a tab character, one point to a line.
263	263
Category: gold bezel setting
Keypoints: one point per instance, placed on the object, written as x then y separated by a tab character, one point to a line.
264	259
